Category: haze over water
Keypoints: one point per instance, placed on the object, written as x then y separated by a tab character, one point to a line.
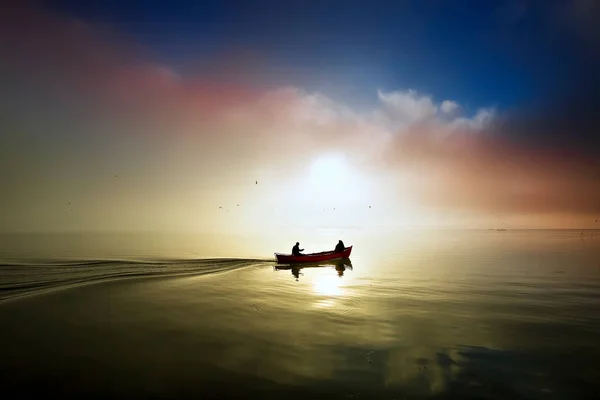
422	314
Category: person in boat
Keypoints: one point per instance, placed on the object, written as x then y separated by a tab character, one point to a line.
296	250
339	247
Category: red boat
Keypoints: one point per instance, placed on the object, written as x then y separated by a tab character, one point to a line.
312	258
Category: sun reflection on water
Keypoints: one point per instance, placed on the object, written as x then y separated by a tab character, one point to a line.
328	285
327	303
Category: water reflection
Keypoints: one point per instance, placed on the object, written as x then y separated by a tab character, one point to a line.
339	265
328	286
463	317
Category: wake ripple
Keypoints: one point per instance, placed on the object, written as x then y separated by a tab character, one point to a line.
23	279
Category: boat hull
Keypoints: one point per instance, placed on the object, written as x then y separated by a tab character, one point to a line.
312	258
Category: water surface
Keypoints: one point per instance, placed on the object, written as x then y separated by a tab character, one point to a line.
435	314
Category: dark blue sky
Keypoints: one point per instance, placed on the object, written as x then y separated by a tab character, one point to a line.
480	53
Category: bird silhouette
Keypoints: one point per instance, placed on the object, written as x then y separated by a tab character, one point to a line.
256	182
220	208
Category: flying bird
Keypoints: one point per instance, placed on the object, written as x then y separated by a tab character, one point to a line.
220	208
256	182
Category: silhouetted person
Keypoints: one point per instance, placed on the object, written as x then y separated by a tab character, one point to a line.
296	250
339	247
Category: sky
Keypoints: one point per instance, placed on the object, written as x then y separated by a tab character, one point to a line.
235	116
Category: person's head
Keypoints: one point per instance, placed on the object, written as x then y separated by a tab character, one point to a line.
339	241
297	243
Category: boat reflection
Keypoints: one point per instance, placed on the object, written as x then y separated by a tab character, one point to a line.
339	265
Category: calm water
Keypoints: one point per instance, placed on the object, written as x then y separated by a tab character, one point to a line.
446	314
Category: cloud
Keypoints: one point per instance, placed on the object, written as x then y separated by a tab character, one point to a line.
449	107
456	162
407	107
479	164
403	109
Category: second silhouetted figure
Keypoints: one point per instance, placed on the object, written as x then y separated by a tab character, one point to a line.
339	247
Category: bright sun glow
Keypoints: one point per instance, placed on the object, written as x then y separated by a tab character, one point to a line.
335	191
332	179
329	168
